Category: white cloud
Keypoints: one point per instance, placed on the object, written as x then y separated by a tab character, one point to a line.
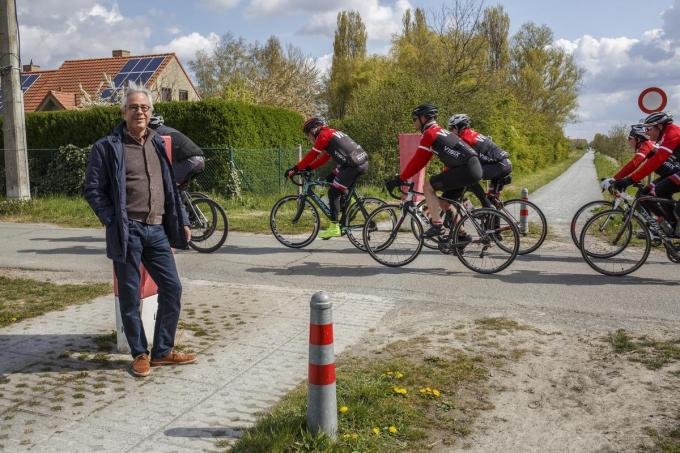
173	30
221	4
381	20
324	63
51	33
186	46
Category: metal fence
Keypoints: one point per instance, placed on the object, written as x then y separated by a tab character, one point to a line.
258	171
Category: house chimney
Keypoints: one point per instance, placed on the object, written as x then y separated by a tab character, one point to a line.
30	67
120	53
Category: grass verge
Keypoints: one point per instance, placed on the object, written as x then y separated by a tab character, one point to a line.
400	399
652	353
605	166
24	298
249	214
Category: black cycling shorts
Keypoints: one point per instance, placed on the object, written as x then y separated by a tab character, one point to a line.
345	177
496	170
454	181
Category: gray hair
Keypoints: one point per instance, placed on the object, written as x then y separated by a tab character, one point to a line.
135	88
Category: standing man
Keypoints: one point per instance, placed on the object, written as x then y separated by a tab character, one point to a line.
130	187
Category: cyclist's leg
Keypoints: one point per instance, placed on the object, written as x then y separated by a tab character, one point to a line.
496	173
665	189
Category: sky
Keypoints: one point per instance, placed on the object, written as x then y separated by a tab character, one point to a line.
624	46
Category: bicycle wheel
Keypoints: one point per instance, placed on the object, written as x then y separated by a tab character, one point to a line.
393	240
584	213
209	225
612	246
537	226
493	243
294	221
355	220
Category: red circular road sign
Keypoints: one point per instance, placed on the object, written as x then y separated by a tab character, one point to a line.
652	100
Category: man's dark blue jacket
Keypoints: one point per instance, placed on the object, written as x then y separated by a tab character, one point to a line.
105	192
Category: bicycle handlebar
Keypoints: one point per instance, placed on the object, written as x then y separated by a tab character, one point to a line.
306	175
401	193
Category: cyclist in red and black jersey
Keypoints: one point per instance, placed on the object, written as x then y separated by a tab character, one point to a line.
644	149
496	165
462	162
351	160
660	128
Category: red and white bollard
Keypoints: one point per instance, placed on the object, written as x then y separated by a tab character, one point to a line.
524	213
322	404
148	294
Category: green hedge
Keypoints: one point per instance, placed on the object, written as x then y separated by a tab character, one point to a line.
210	123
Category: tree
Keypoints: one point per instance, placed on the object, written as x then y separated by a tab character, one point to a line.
495	27
349	53
258	74
544	77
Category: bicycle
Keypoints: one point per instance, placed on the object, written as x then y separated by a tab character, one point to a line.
529	219
617	242
393	235
295	220
207	220
621	200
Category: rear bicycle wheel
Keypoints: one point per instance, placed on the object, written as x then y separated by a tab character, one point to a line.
493	241
584	214
294	221
612	246
393	240
356	219
209	225
537	226
422	213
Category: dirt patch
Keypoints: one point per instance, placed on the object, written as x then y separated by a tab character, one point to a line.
557	391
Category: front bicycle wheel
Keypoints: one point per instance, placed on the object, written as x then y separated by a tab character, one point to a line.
393	237
534	231
485	241
356	219
585	213
294	221
209	225
614	246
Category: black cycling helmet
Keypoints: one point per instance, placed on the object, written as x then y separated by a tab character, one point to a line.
460	121
426	110
312	123
638	131
657	118
156	121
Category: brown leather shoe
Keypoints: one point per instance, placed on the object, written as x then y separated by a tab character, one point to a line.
141	366
175	358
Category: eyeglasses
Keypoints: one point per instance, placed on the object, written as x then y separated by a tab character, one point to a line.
135	107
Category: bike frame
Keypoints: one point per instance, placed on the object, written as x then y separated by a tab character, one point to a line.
308	185
649	220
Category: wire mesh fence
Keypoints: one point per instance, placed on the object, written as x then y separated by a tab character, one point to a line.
227	170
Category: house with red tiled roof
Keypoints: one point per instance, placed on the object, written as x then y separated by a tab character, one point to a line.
77	82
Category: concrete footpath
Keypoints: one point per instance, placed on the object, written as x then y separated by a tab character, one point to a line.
58	393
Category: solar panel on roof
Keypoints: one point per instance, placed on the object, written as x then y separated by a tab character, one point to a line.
27	80
154	64
143	63
129	65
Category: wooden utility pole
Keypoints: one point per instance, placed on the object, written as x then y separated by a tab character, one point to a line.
13	126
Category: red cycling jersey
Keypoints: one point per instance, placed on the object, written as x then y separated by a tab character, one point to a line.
668	145
338	145
488	151
450	149
641	153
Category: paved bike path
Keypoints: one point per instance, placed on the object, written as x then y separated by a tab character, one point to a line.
562	197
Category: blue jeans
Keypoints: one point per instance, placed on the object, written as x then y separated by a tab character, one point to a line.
148	245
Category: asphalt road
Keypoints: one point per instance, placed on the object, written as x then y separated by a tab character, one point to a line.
552	282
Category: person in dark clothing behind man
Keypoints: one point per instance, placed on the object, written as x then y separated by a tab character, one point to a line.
131	189
187	158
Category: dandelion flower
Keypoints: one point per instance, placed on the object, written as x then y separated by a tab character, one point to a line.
436	393
355	436
346	436
392	429
398	375
13	319
376	431
344	409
